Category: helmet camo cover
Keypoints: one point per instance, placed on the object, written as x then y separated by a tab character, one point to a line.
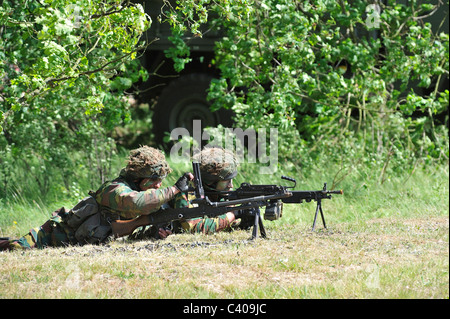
147	162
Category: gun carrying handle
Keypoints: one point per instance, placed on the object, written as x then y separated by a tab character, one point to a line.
289	179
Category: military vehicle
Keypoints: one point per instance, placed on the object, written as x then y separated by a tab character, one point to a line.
180	96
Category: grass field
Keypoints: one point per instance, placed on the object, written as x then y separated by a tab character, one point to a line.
389	241
385	258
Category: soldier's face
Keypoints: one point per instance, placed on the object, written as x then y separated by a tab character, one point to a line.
225	185
148	183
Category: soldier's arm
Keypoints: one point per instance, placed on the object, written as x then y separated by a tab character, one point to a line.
209	225
130	203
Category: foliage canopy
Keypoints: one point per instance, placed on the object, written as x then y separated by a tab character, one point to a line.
346	79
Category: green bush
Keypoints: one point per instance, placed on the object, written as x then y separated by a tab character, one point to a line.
64	66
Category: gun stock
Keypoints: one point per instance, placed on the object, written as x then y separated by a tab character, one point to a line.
122	228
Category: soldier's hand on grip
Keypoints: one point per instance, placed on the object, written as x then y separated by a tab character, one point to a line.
183	182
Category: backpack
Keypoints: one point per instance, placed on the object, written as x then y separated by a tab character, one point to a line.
87	222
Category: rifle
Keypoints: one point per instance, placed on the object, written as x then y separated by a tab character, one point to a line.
204	208
274	207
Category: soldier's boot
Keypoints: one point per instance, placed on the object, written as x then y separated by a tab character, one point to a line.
4	243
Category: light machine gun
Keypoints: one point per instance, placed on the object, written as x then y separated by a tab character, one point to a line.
275	207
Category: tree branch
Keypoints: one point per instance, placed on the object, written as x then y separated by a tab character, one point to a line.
51	81
111	11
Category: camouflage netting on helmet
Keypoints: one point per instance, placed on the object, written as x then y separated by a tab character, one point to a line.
216	164
147	162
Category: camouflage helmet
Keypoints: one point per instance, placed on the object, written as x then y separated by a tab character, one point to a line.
147	162
216	164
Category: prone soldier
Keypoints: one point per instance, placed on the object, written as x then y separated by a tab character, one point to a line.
136	191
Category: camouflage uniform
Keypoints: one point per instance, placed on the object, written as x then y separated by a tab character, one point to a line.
118	199
54	232
122	199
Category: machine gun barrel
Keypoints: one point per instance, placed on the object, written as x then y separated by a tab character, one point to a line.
247	190
299	196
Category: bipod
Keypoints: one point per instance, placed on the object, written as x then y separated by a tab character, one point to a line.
319	208
258	222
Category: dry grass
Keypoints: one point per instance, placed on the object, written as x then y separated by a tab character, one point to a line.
381	258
